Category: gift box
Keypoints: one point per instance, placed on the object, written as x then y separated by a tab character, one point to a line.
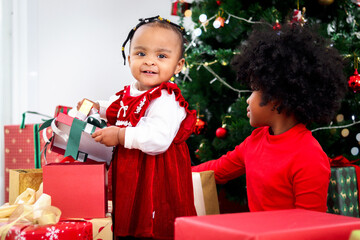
21	179
61	109
73	138
343	193
102	228
91	229
63	230
78	189
23	150
179	7
294	224
355	235
205	193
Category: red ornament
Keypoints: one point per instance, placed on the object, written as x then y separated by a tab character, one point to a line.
218	3
277	25
354	82
200	126
197	155
221	132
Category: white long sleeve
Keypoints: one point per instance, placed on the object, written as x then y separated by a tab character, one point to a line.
158	127
105	104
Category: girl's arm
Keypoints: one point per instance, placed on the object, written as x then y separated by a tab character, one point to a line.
158	127
227	167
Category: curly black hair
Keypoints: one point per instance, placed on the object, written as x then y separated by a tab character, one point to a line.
296	68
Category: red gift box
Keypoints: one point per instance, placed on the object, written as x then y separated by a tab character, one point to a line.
78	189
62	109
22	150
282	224
87	146
62	230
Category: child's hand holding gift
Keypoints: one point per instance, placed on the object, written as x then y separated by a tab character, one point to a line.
94	104
110	136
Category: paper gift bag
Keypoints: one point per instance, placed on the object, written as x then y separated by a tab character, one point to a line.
78	189
205	193
22	150
73	138
21	179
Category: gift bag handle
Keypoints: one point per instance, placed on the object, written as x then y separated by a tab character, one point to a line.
22	126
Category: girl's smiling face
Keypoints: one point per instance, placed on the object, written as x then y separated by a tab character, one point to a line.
155	56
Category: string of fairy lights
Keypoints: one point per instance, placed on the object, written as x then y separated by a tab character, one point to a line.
218	22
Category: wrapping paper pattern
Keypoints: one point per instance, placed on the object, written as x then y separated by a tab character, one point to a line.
343	192
80	230
20	150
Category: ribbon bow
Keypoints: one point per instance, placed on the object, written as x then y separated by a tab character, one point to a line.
121	108
30	207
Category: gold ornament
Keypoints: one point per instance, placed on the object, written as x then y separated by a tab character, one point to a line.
325	2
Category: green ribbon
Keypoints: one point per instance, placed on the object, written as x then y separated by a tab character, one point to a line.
37	154
72	146
46	124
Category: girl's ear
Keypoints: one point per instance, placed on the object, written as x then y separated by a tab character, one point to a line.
129	60
179	65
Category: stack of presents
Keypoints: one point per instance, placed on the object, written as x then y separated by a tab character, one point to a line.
57	179
58	186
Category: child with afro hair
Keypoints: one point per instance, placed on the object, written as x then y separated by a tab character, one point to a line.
297	78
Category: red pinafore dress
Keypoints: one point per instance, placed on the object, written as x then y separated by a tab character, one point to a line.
150	191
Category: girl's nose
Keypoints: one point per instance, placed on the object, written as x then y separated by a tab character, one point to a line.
149	61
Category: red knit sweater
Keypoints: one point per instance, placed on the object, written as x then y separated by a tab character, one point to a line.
283	171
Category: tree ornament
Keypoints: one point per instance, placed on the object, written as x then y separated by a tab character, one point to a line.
325	2
200	126
357	2
354	82
221	132
277	25
298	17
218	2
219	22
197	153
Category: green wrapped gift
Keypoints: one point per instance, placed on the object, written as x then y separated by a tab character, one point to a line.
343	196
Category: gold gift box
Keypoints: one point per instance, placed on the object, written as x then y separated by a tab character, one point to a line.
21	179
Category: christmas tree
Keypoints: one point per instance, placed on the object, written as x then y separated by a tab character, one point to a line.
209	83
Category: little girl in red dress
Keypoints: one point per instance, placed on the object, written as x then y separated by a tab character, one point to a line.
150	120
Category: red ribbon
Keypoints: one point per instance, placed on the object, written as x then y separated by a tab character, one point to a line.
341	161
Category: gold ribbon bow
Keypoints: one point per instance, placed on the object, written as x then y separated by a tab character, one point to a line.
29	207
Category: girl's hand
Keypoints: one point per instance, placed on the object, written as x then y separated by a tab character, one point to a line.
110	136
95	104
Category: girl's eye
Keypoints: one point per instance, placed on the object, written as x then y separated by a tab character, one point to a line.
161	56
140	54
